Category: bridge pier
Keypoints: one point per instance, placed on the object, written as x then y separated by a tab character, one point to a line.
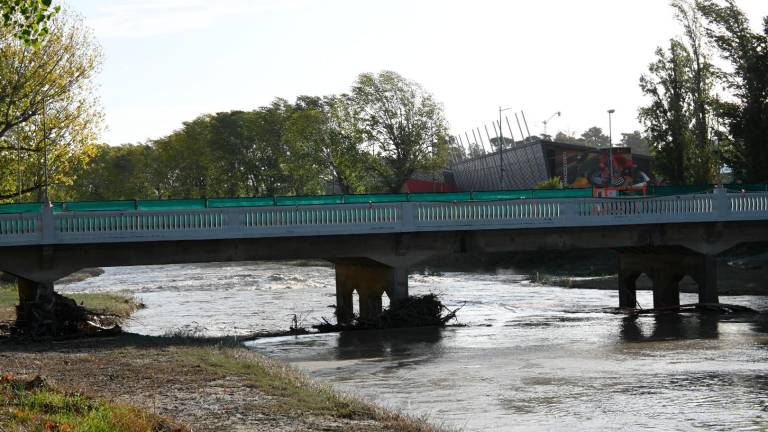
371	280
35	299
666	269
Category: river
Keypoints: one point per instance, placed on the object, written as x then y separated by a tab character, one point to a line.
528	358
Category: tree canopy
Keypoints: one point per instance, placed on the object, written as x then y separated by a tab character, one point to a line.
686	113
47	106
402	122
28	19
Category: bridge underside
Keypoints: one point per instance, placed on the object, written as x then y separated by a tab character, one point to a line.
377	264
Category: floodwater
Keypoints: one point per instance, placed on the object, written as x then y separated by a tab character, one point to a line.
529	358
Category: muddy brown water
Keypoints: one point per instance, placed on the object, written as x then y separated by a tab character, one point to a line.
530	357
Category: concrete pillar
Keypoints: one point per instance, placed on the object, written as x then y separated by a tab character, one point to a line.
35	299
370	279
666	267
627	289
706	279
666	287
397	291
370	303
344	307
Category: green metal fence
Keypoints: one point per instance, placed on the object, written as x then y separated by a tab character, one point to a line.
507	195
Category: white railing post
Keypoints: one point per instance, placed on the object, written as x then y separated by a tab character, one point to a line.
409	216
570	211
721	203
47	225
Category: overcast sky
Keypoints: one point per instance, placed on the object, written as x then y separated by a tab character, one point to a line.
168	61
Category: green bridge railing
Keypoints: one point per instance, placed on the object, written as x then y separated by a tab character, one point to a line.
506	195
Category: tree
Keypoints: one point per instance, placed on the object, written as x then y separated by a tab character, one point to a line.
745	113
636	142
566	138
326	147
594	137
404	123
47	106
668	116
701	80
120	172
28	19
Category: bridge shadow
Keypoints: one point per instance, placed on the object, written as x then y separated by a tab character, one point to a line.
669	326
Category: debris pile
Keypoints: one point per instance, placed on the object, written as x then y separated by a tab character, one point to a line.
415	311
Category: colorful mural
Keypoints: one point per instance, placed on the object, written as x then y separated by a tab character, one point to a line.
593	168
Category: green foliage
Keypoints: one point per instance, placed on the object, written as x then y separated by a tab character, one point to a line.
636	141
33	406
668	117
550	183
113	304
311	146
28	19
745	113
566	138
594	137
47	103
403	122
680	85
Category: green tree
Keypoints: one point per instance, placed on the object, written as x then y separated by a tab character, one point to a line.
701	166
325	147
47	106
636	142
594	137
566	138
28	19
668	116
119	172
745	111
404	123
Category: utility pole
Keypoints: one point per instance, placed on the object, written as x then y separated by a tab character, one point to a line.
501	147
610	146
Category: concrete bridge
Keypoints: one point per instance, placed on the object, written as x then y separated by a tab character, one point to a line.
374	244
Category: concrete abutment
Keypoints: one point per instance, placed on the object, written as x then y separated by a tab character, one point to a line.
666	269
370	279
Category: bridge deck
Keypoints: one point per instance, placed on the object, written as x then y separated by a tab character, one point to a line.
73	225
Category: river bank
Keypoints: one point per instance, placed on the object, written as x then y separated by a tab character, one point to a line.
731	280
200	384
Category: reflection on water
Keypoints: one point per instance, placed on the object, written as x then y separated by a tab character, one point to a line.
671	326
531	358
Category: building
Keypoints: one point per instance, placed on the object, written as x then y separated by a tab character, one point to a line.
527	163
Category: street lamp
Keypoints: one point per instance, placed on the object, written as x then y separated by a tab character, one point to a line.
46	198
610	146
501	148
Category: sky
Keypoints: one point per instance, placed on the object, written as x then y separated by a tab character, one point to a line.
169	61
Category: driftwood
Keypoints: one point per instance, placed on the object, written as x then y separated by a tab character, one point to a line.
722	308
64	318
416	311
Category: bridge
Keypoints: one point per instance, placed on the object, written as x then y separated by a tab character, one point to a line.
373	240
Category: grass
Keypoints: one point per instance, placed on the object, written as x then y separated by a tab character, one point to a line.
294	393
118	305
36	407
8	295
114	304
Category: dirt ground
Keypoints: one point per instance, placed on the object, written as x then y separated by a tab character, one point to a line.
158	375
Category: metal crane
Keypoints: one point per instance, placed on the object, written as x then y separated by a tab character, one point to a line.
557	114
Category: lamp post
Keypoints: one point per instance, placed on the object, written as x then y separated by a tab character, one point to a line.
46	198
610	146
501	148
